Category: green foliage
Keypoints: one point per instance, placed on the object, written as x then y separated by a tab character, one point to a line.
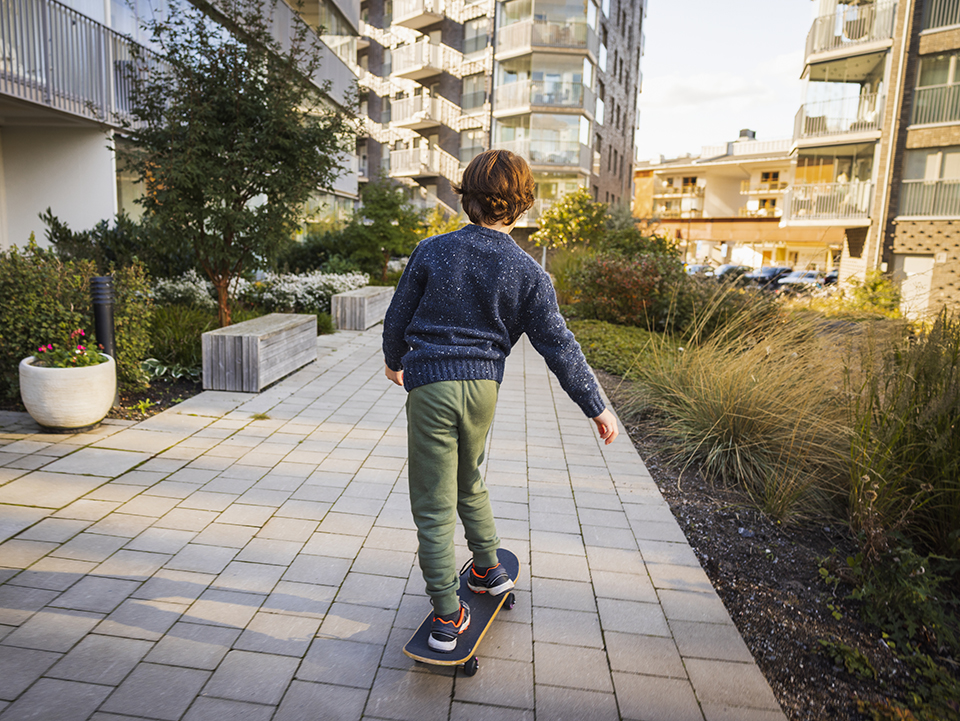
935	695
848	657
132	316
876	293
438	222
230	138
157	370
905	450
613	348
175	335
574	219
119	246
75	355
624	237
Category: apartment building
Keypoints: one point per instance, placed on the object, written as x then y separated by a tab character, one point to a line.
555	81
877	142
62	87
726	204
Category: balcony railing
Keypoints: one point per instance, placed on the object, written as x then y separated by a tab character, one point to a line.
54	56
940	13
852	25
839	117
552	152
523	95
932	198
675	213
424	111
828	201
672	191
544	33
422	59
417	14
771	187
425	161
936	104
760	212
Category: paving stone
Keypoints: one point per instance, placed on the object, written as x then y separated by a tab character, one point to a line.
713	712
193	645
649	655
553	565
362	624
616	560
202	559
300	599
206	709
90	547
315	700
730	684
499	683
161	541
22	554
344	663
624	586
101	659
18	603
288	529
224	534
174	586
651	698
572	628
141	618
645	619
477	712
303	509
571	595
149	505
57	699
506	639
53	630
208	501
47	489
334	544
86	510
565	704
254	677
100	595
609	537
246	515
156	692
393	539
368	590
679	578
55	530
567	544
278	634
20	667
16	520
679	554
186	519
710	641
410	695
224	608
702	607
574	668
55	574
318	569
96	462
554	522
132	565
265	550
171	488
347	524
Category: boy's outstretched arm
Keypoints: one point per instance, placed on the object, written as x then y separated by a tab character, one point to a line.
607	425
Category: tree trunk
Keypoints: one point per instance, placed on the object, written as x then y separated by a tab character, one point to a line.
223	300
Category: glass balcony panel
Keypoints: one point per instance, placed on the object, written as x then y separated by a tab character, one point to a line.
417	14
932	198
940	13
547	34
936	104
838	117
852	25
551	152
522	95
828	201
419	60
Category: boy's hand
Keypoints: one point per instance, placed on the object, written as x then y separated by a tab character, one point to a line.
607	425
395	376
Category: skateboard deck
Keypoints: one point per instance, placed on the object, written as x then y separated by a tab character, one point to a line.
483	609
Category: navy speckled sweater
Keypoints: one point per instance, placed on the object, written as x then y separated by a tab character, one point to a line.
462	303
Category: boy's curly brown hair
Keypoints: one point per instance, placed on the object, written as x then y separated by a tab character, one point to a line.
497	187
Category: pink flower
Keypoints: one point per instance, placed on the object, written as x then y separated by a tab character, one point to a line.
49	346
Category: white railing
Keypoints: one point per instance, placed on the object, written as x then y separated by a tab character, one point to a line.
932	198
421	108
758	147
828	201
839	117
425	56
545	33
662	190
770	187
551	152
405	9
936	104
940	13
760	212
852	25
424	161
54	56
552	94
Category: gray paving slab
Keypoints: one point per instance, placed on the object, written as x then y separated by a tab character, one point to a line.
265	569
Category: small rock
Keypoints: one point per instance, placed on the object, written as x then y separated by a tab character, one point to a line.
745	532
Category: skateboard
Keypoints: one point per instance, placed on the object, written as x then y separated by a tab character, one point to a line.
483	609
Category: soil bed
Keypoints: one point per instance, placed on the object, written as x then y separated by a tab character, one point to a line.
767	575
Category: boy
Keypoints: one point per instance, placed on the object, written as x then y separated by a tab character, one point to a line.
463	301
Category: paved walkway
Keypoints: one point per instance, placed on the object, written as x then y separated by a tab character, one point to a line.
252	558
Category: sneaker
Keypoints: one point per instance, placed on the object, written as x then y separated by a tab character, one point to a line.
443	635
494	581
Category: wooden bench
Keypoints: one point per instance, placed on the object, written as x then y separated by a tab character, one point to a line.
251	355
362	308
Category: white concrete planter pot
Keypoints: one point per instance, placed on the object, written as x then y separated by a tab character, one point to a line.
68	398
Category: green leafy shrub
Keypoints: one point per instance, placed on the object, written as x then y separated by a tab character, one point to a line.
616	349
132	314
175	334
877	292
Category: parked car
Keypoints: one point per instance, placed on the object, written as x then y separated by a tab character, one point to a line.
766	278
832	277
698	269
800	281
731	272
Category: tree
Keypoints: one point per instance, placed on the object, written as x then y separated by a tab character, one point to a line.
230	136
574	219
385	226
439	222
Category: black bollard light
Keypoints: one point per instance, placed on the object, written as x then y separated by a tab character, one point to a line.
101	288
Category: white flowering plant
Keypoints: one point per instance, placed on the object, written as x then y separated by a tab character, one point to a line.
309	293
189	289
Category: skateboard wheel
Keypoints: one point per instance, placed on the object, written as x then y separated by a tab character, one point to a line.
510	602
471	667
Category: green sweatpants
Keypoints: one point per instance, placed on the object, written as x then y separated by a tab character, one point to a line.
447	425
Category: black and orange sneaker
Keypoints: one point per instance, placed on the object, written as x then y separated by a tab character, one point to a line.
494	581
446	629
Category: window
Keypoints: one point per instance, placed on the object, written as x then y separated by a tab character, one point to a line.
689	182
475	35
471	145
770	176
940	14
931	185
474	93
937	96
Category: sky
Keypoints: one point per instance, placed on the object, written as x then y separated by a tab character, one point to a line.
712	67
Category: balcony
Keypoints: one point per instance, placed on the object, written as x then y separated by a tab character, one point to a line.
419	60
661	190
760	212
940	14
847	116
423	162
930	198
417	14
828	203
523	37
852	29
527	96
552	153
677	213
423	111
772	187
936	104
53	56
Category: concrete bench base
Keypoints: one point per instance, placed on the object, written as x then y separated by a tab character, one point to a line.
362	308
251	355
